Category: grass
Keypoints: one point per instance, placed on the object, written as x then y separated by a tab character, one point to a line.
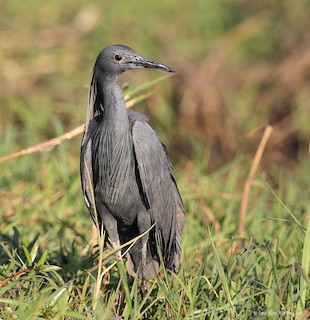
48	266
52	265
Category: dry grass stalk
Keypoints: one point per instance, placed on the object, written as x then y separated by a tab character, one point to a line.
50	144
46	145
14	275
248	184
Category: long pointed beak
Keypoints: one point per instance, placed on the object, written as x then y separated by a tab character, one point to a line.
143	63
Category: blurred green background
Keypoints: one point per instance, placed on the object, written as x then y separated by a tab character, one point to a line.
240	66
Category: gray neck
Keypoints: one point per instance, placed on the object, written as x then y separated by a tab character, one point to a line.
116	139
115	113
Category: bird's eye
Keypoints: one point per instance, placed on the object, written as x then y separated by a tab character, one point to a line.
118	58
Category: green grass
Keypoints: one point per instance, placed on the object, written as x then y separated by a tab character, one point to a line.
247	55
45	234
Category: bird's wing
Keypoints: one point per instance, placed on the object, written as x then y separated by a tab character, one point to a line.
180	220
157	187
180	212
87	178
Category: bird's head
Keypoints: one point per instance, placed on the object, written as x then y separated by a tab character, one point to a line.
111	62
116	59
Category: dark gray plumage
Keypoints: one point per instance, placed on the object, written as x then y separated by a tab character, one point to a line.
127	166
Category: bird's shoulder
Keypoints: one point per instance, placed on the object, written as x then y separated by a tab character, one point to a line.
136	116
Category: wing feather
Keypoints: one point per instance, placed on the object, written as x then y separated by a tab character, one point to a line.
158	187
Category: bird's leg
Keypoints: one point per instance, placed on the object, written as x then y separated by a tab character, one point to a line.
143	288
144	223
110	225
143	262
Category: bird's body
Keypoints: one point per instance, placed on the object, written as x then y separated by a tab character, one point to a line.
125	171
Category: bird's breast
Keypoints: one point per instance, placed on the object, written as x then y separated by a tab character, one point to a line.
126	205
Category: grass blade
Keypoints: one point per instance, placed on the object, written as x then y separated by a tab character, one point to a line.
304	283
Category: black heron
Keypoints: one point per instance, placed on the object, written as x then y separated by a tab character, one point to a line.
125	171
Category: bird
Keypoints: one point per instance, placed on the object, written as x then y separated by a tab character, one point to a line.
126	174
